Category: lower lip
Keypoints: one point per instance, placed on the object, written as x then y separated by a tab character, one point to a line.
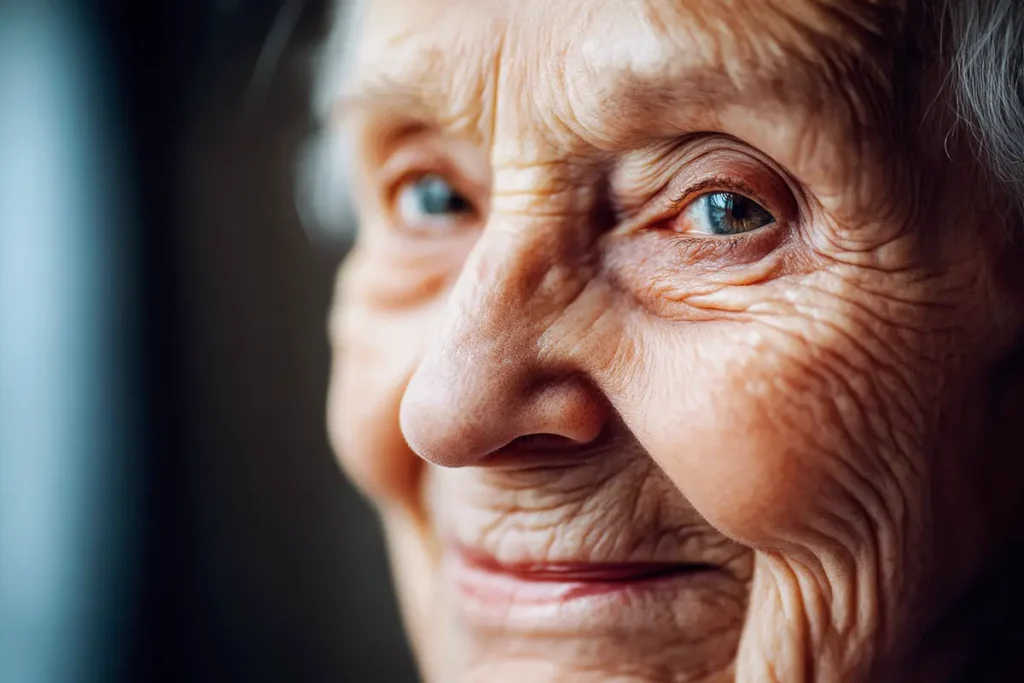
569	596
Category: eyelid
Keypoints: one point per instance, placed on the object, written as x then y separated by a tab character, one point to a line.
676	200
713	164
428	154
687	195
410	163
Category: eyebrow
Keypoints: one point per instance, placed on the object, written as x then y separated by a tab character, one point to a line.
618	97
384	94
629	105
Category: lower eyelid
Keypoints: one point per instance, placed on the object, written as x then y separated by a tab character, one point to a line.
708	252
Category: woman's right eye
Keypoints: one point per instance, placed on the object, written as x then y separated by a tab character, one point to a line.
430	200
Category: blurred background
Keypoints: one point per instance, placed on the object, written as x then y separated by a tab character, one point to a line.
169	506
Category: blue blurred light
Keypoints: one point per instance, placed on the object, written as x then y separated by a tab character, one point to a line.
64	361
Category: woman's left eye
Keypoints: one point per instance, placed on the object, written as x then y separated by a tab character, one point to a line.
725	213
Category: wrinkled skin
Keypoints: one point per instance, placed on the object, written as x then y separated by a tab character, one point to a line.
824	410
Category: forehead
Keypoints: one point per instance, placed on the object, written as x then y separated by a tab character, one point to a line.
720	47
609	70
780	22
544	81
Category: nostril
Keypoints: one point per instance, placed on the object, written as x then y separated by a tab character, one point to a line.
545	451
544	442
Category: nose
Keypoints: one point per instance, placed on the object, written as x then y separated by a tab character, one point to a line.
491	375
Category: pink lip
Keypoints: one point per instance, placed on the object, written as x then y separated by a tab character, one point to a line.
575	598
485	580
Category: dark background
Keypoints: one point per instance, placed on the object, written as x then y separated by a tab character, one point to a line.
248	556
260	563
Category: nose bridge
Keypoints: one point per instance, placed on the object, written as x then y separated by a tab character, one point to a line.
514	284
486	377
504	290
531	259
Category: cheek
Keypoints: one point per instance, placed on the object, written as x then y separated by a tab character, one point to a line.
762	435
374	355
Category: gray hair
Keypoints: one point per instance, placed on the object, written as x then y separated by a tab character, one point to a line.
987	79
984	39
323	179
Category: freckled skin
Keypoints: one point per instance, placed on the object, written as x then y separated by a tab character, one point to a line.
820	409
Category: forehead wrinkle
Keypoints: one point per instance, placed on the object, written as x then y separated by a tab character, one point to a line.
677	66
647	71
384	97
429	74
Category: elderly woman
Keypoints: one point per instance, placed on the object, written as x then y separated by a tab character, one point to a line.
683	339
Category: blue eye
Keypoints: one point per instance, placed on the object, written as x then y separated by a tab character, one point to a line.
431	198
726	213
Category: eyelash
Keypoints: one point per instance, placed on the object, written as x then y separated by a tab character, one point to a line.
680	199
691	248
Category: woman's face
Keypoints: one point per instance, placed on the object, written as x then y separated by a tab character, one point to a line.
670	346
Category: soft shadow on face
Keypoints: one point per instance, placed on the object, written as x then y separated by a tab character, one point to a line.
650	355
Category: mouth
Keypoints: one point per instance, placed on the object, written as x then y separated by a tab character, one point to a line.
567	580
573	596
604	551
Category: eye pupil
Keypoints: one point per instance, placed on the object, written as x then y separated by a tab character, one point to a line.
729	213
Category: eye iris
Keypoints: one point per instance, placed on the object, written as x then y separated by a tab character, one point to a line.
436	197
729	213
